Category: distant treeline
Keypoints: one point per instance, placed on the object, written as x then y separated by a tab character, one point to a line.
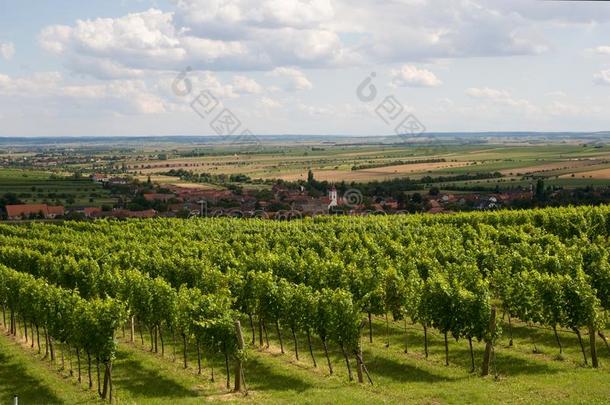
396	163
188	175
395	187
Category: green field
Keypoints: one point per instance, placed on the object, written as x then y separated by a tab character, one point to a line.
36	187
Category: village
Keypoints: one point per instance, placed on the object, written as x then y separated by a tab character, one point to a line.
281	202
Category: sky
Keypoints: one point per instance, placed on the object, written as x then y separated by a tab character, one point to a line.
350	67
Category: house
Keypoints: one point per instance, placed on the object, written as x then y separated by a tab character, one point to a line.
447	198
92	212
488	203
98	177
117	181
54	211
310	205
142	214
121	213
390	203
158	197
24	211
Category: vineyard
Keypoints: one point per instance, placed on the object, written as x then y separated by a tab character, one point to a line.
215	296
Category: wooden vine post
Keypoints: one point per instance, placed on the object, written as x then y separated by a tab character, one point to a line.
359	364
239	368
594	361
489	342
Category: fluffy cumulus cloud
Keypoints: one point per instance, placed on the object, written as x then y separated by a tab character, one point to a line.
7	50
600	50
411	76
217	35
43	83
407	30
139	40
602	78
269	103
128	62
266	34
487	93
217	17
245	85
122	96
295	80
564	12
501	98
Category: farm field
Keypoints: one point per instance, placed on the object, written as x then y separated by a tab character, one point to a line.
380	173
36	186
388	305
339	163
601	174
568	165
175	181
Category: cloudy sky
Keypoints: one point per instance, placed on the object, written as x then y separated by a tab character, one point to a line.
101	67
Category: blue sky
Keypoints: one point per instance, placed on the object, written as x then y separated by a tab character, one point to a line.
293	66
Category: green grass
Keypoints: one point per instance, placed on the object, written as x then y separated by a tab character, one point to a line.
36	382
141	377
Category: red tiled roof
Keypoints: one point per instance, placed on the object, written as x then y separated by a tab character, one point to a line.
89	211
133	214
142	214
23	210
55	210
158	197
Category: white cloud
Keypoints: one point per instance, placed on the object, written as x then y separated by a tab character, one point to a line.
600	50
296	79
501	97
265	34
209	15
104	68
561	109
123	64
268	102
120	96
137	40
245	85
7	50
201	81
585	13
487	93
317	111
409	30
30	86
125	46
144	35
411	76
602	78
274	34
